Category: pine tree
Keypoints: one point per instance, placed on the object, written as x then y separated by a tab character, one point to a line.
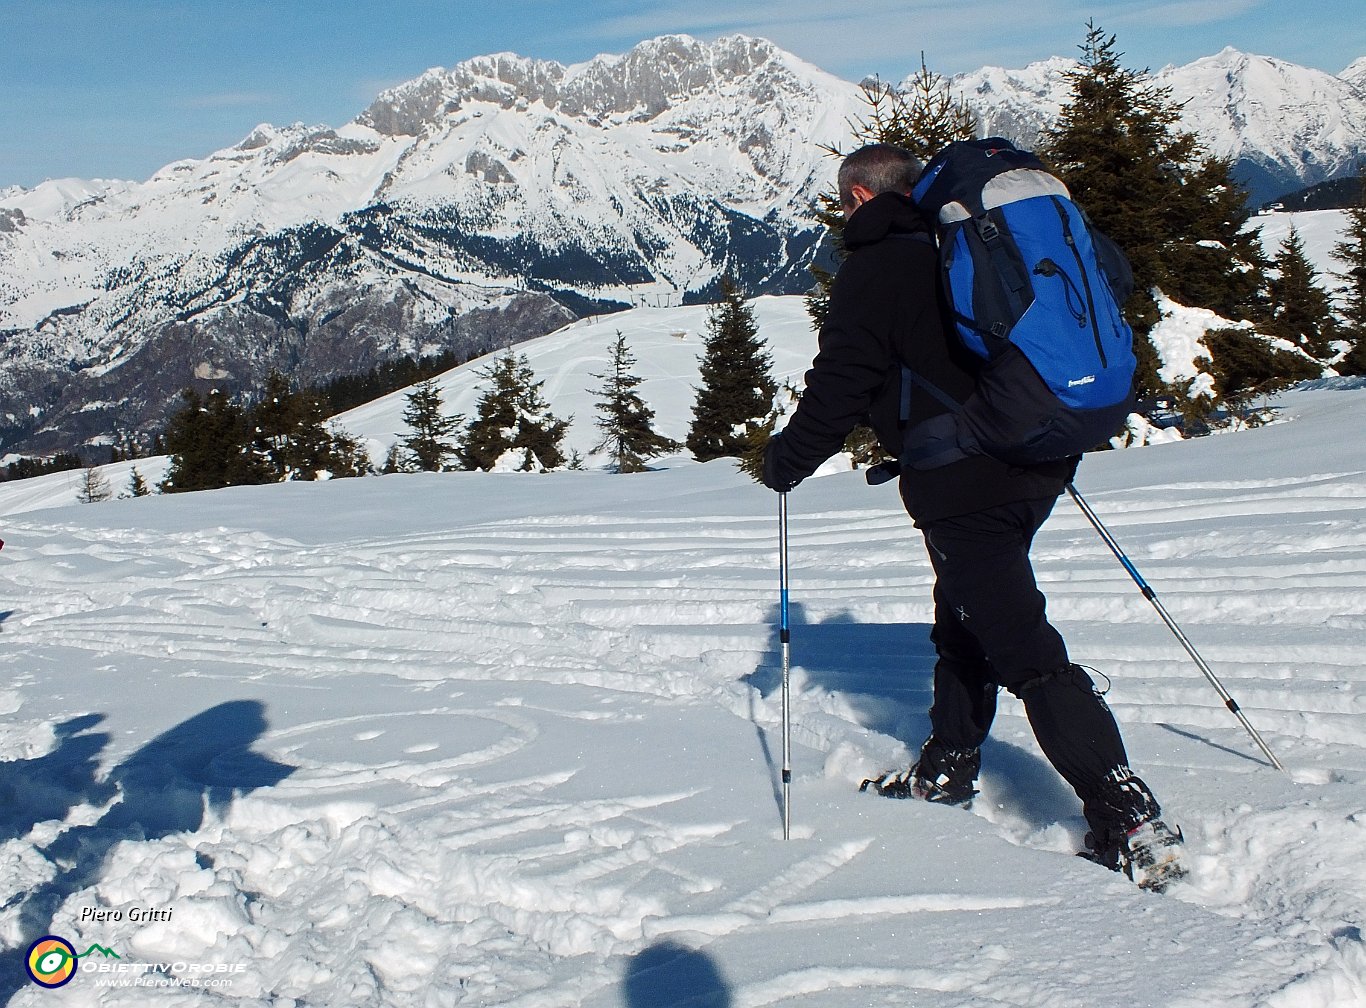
737	387
293	440
429	444
512	420
209	444
1173	209
346	456
285	426
1300	311
137	485
393	461
627	424
923	119
1351	252
1245	365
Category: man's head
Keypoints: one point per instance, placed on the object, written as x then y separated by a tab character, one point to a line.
875	169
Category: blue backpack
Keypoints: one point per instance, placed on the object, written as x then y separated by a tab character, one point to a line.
1034	291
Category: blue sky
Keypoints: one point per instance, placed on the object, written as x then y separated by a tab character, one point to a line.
118	88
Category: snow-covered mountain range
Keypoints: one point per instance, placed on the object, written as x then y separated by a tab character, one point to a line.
1284	126
480	205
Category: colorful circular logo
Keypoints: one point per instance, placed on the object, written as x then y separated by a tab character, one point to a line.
51	961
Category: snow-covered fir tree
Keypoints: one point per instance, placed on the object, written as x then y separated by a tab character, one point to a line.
291	434
513	426
1299	309
628	434
1351	253
737	384
429	443
208	441
1153	188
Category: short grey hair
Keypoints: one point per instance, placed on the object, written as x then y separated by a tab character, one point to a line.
879	168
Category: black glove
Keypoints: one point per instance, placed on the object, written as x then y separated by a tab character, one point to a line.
776	475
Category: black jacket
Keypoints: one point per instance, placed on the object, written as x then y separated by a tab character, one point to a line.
886	308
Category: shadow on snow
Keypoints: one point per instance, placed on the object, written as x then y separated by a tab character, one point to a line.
671	975
885	673
166	787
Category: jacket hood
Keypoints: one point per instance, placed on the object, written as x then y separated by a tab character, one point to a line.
885	214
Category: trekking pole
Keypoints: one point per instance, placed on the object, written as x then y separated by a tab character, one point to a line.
785	636
1151	596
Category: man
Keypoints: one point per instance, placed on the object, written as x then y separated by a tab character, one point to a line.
978	517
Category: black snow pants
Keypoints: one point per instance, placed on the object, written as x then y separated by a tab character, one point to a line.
991	630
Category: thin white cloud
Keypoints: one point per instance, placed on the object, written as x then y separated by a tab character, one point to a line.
226	100
885	37
1181	13
888	36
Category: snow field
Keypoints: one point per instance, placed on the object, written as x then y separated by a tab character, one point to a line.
482	739
501	739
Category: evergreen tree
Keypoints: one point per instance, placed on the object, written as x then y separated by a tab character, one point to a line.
923	119
627	424
209	444
1150	186
1244	365
137	485
286	429
293	440
1351	252
393	460
512	417
429	444
346	455
1300	311
737	387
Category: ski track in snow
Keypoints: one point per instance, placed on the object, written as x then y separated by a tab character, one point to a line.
534	761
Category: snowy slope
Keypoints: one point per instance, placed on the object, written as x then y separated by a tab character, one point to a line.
667	343
1319	230
500	739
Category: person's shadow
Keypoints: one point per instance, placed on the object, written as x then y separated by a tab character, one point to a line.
47	788
885	672
671	975
163	788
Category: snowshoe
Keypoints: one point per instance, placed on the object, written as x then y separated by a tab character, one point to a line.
1127	834
1150	855
945	776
